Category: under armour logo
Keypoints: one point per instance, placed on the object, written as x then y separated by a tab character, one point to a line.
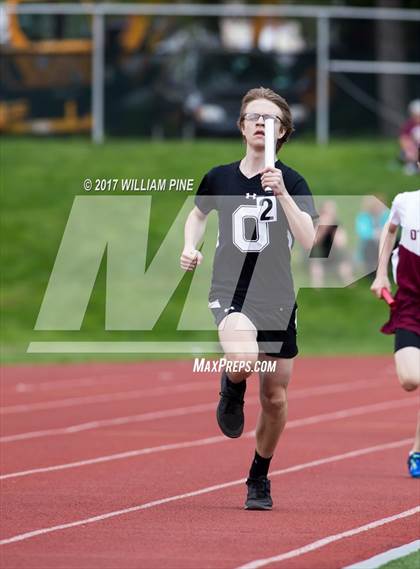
230	308
251	196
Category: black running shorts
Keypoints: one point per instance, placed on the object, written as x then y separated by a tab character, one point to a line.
406	339
276	327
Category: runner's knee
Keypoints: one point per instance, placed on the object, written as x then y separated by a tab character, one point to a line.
247	358
408	368
240	365
274	402
408	382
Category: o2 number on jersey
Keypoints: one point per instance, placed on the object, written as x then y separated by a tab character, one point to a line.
268	208
262	213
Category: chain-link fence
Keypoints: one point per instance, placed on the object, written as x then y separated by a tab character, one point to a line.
180	70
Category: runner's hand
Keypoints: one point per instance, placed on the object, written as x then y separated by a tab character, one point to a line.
379	283
273	178
190	259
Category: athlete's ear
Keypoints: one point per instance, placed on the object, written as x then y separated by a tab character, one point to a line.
243	134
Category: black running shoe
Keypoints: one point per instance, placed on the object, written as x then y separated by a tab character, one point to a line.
230	411
259	497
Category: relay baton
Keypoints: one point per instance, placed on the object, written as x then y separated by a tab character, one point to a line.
269	147
386	295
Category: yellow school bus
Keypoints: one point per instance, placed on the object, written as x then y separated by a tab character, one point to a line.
46	69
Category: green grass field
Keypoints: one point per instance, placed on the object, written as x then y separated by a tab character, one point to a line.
40	179
411	561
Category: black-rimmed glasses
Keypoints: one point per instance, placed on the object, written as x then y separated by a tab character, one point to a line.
254	117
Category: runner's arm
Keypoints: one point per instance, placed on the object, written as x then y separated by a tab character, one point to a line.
195	227
300	222
386	245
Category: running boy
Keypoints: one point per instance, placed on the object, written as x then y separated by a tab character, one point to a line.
261	211
404	321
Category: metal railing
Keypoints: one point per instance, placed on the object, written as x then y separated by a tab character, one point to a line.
323	15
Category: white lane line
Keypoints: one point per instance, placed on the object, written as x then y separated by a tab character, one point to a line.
175	446
197	385
150	416
354	411
106	397
387	556
84	381
327	540
123	455
182	411
334	415
206	490
340	387
23	386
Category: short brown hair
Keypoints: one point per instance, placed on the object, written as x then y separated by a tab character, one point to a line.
264	93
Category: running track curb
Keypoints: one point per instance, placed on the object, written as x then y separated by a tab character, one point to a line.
327	540
387	556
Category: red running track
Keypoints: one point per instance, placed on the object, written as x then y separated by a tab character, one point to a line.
122	465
